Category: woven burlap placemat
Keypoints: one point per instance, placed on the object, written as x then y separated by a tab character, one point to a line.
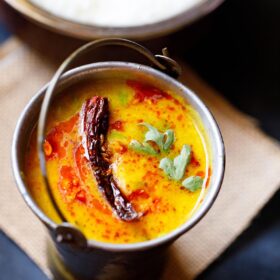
252	174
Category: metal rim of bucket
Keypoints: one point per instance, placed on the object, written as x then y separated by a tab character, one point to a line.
212	192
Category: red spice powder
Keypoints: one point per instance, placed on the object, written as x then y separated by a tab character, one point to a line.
54	141
81	162
170	108
194	162
47	148
122	149
200	174
140	193
96	204
117	125
66	172
209	176
68	125
180	117
69	183
145	92
81	196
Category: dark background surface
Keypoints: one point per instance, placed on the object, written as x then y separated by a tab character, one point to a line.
241	58
236	49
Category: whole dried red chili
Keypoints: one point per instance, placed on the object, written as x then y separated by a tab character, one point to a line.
95	123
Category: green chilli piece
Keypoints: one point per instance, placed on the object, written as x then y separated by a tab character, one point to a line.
193	183
142	148
163	140
123	97
175	169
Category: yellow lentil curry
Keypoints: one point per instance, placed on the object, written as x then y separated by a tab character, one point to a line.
158	156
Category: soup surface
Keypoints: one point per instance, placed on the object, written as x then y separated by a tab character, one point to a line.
157	154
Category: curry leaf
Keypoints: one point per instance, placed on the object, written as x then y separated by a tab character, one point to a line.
163	140
193	183
142	148
175	169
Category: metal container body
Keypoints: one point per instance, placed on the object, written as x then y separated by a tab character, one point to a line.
100	260
71	263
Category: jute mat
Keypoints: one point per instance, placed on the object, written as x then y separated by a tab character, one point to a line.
252	174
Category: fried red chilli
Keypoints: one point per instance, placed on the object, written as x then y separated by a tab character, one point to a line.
95	123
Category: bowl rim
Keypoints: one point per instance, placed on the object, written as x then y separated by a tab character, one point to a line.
189	94
89	32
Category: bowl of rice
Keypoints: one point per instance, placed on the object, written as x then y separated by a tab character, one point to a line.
91	19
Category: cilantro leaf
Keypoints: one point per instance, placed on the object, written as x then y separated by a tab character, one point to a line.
163	140
166	164
193	183
175	169
153	135
142	148
169	139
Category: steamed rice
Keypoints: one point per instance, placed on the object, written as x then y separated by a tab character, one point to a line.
116	13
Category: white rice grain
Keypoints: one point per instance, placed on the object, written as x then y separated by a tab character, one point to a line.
116	13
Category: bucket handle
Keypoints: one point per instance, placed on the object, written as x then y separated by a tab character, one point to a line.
66	232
